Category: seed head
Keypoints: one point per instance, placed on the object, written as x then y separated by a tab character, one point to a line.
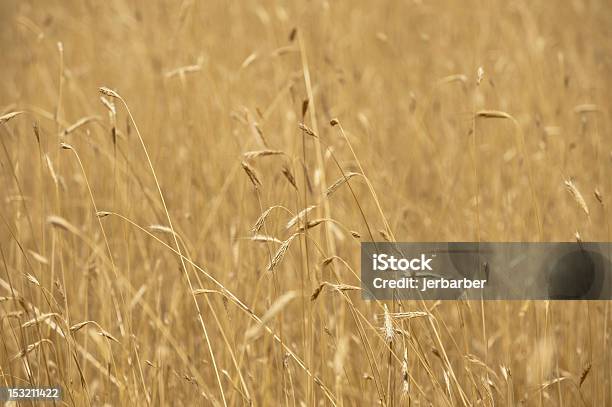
573	190
388	326
250	171
307	130
108	92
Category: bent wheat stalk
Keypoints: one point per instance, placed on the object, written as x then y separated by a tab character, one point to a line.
112	93
241	305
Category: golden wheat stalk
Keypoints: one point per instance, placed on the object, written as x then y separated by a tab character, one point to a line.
265	238
280	253
261	220
311	224
298	218
39	318
405	375
307	130
339	182
261	153
80	123
573	190
6	117
252	174
493	114
30	348
388	325
289	176
337	287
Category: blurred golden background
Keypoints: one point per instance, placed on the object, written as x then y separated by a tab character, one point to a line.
149	260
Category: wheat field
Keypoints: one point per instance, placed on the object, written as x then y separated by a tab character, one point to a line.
185	186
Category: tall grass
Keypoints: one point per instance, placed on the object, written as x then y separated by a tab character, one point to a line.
191	234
